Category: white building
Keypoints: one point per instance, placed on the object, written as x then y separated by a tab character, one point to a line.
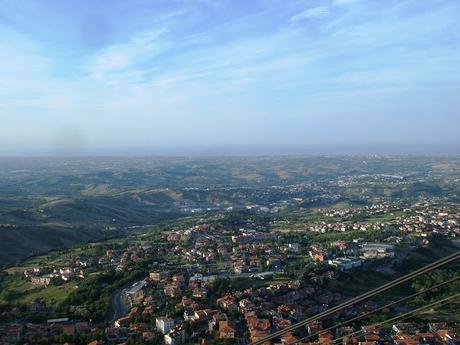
344	264
164	324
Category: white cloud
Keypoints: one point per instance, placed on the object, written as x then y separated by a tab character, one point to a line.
168	75
136	51
346	2
314	12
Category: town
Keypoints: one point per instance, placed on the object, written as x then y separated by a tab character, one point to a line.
209	284
229	172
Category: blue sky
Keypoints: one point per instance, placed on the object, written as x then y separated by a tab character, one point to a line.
120	75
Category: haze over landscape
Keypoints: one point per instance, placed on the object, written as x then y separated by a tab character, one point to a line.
198	77
229	172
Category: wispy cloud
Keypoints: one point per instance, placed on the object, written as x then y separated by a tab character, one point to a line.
314	12
346	2
183	69
140	49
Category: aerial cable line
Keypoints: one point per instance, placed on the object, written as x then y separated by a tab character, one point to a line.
363	297
402	316
379	309
376	310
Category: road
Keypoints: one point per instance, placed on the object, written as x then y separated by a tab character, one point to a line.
260	275
119	301
119	304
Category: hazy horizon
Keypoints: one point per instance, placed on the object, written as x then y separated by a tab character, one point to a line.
228	151
224	77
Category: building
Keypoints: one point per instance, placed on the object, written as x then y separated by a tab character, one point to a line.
164	324
378	250
227	329
344	264
45	281
158	276
176	336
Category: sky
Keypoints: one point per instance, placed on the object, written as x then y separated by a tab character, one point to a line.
151	76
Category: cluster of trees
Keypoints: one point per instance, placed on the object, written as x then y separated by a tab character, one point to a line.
451	275
92	298
76	339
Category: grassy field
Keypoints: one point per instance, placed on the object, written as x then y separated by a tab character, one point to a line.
16	289
50	295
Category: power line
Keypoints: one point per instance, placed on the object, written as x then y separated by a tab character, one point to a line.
377	310
402	316
363	297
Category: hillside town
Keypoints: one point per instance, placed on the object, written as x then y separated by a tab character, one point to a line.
211	284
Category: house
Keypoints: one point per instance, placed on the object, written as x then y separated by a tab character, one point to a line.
240	268
68	330
81	327
123	321
178	278
117	335
227	329
372	338
406	339
258	328
326	338
189	314
45	280
318	254
281	323
136	297
55	328
157	276
426	338
289	339
35	271
216	318
447	336
200	292
227	302
202	315
148	336
246	306
134	311
314	327
406	327
274	262
172	290
149	310
139	327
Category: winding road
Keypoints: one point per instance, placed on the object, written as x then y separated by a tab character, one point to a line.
119	304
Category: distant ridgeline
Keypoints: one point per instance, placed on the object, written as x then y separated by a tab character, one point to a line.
54	203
